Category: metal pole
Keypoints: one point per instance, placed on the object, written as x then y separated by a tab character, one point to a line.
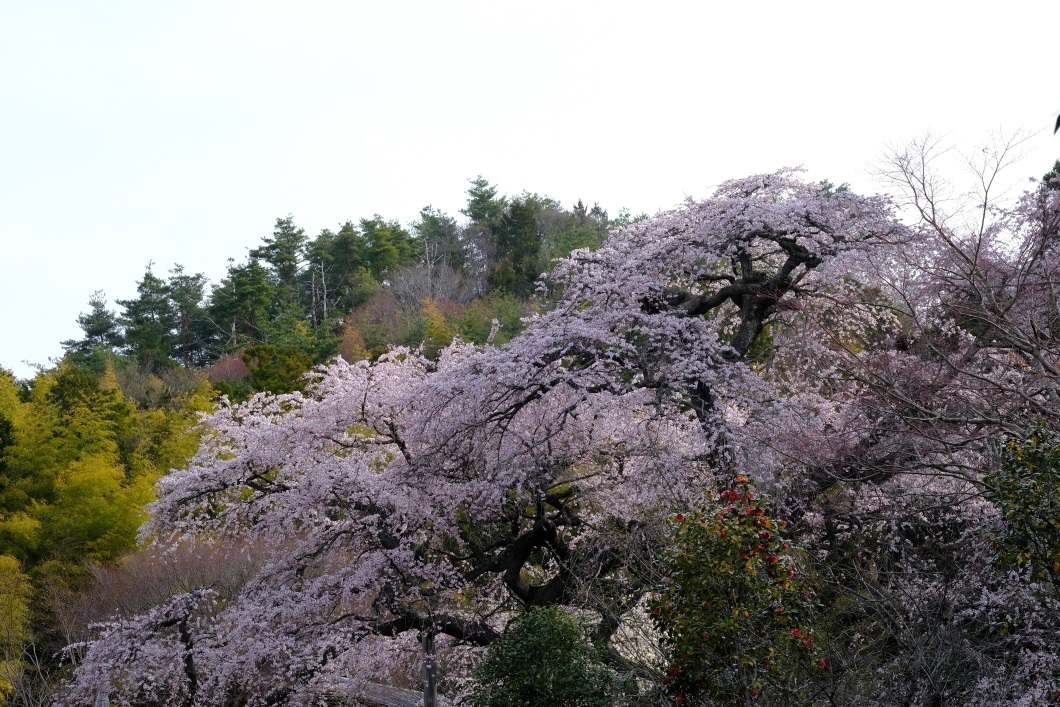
430	671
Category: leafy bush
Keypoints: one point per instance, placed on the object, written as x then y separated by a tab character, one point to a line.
733	611
1026	489
544	659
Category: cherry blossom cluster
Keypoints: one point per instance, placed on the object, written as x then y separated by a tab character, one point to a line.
861	370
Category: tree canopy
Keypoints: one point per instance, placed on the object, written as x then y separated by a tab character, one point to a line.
410	494
783	354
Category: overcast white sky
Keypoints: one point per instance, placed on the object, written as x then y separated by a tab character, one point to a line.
176	132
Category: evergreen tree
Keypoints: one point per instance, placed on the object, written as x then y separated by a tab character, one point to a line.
440	237
239	306
483	204
150	323
583	227
285	252
186	294
338	262
348	250
519	245
389	246
101	328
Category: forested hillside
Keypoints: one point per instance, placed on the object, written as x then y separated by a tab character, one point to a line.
297	300
83	444
787	445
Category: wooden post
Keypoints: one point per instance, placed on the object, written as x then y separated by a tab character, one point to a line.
430	671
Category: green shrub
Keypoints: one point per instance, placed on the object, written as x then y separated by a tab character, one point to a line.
1026	489
732	611
544	660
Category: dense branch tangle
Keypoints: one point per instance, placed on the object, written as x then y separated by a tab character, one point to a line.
413	495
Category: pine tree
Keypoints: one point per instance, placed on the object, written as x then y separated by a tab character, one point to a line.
101	327
285	252
150	323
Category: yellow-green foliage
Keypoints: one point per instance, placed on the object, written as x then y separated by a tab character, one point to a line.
14	617
436	332
82	463
10	406
95	512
